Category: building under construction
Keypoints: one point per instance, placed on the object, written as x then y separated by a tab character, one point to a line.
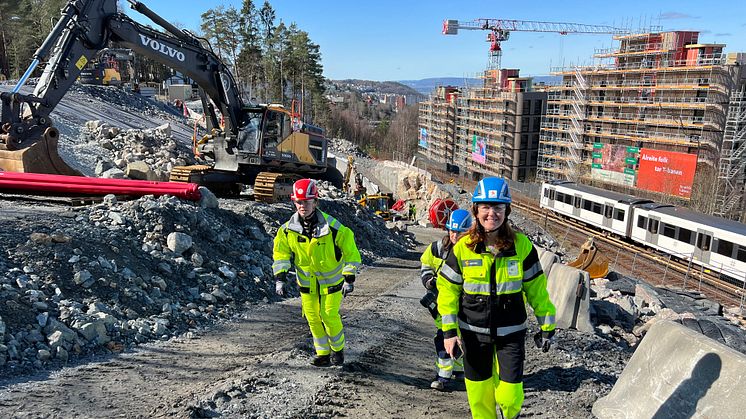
492	130
651	115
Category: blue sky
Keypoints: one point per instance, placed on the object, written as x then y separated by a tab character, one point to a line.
402	40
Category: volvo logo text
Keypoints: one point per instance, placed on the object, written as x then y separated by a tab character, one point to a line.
161	47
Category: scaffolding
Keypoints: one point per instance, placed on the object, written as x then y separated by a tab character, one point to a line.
732	165
659	90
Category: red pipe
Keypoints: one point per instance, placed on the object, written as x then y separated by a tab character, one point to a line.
95	186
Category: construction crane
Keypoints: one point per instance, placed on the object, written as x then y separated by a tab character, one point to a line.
500	31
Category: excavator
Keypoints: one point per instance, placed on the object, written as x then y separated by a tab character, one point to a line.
267	146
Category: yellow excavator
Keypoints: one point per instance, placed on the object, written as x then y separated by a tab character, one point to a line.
591	260
262	145
380	204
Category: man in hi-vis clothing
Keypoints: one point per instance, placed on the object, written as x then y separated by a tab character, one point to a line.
326	259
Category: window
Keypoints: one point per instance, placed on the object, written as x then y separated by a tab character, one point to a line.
609	211
526	106
653	226
597	208
546	193
724	248
642	222
685	235
587	205
703	241
741	255
568	199
551	194
537	107
577	201
619	214
669	230
560	197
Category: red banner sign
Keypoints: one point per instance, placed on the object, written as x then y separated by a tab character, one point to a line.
667	172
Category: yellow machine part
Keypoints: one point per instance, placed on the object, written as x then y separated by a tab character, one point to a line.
274	187
591	260
298	143
41	157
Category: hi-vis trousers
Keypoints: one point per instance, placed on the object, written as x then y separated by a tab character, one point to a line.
322	314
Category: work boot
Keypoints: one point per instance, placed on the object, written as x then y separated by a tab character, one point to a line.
439	383
338	358
320	361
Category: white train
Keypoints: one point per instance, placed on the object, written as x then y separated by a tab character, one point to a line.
715	243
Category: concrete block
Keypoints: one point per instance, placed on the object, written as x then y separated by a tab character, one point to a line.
572	312
547	259
678	373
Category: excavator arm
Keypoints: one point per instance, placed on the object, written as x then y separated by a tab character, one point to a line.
85	28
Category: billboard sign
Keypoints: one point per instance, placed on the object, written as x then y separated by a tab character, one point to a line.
614	163
479	149
668	172
423	138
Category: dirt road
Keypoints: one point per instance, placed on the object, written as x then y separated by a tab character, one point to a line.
257	365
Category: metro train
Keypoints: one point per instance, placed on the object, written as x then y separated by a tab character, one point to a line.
715	243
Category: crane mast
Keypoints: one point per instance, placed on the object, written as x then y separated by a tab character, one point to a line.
499	31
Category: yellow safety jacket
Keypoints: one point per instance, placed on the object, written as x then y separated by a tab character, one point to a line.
484	293
431	260
321	260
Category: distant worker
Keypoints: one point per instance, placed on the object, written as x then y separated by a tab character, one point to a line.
458	223
482	286
326	259
412	212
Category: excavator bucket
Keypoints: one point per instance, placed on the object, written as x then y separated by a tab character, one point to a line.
591	260
41	157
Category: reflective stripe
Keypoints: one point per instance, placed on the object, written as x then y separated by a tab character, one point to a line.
484	288
338	338
451	275
532	271
450	319
445	367
302	272
500	331
426	271
330	281
330	273
280	265
321	343
545	320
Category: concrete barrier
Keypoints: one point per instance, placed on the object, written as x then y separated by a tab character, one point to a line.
678	373
569	291
547	259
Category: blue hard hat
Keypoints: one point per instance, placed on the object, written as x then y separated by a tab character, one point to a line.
492	189
460	220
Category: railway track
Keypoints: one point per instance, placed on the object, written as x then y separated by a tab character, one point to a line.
647	264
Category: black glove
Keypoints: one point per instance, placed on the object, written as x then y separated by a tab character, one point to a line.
543	340
350	279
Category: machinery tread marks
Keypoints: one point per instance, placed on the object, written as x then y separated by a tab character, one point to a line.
274	187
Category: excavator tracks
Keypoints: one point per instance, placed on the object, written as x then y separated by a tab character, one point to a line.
273	187
187	173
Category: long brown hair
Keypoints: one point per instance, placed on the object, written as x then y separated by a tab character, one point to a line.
505	234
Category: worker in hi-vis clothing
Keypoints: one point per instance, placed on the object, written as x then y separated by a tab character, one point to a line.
432	259
482	289
326	259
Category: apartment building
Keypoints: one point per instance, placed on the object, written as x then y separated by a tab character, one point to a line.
651	115
491	130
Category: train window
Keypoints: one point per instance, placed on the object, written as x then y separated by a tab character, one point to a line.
669	230
642	222
546	193
587	205
619	214
609	210
703	241
685	235
653	226
741	255
560	197
578	201
597	208
551	194
568	199
724	248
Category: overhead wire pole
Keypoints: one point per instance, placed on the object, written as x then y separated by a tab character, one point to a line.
500	31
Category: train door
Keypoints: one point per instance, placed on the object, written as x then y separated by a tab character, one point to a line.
704	244
549	195
651	235
576	206
608	215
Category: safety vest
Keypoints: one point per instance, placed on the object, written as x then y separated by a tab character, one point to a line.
321	260
484	293
431	260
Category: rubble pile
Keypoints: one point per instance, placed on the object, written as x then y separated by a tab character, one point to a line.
148	154
98	279
340	146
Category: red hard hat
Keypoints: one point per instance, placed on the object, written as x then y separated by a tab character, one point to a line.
304	190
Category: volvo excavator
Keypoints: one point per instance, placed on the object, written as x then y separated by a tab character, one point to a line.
262	145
